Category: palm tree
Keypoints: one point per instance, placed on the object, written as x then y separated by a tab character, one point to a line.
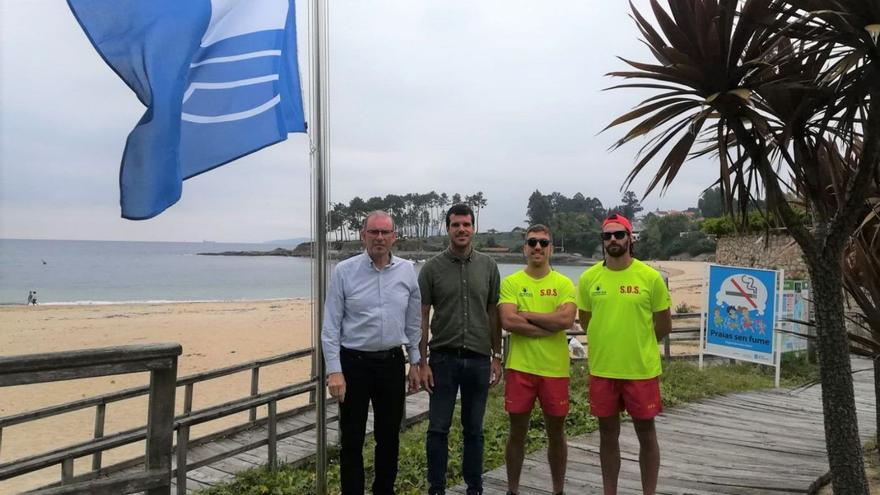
861	273
771	87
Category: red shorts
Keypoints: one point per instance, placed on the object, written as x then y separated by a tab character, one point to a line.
610	396
521	389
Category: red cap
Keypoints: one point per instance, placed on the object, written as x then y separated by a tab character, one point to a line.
618	219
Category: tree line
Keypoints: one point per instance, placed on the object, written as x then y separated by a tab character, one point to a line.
416	215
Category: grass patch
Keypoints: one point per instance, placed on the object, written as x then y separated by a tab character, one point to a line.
682	382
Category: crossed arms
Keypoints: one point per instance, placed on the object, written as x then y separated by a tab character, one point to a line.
536	324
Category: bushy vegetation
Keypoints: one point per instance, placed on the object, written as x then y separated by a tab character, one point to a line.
671	235
682	382
756	222
682	307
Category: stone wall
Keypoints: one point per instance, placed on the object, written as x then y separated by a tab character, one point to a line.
781	252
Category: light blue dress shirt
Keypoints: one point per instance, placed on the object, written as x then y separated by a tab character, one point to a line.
371	309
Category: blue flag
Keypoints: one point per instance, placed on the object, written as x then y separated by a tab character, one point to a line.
219	79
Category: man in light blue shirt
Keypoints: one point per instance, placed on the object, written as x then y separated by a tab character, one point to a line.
373	308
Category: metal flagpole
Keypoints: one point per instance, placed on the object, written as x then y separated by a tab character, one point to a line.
318	128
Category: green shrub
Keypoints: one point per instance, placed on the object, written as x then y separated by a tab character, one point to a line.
757	222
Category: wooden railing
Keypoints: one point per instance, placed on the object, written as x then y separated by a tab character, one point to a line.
158	359
183	424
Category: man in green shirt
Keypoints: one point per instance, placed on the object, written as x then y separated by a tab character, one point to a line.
537	306
624	306
462	286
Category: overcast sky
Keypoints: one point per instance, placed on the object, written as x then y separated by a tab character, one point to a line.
460	96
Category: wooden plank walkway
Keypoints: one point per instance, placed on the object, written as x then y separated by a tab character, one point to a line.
296	450
763	442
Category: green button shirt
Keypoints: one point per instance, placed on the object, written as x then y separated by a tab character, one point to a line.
460	290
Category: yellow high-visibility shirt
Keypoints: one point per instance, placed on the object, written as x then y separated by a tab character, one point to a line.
544	356
621	341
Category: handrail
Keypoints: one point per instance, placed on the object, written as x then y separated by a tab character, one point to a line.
158	359
68	365
144	389
40	461
110	357
236	368
240	405
49	361
82	449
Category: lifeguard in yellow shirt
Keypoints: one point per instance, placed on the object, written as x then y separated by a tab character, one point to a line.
624	306
537	306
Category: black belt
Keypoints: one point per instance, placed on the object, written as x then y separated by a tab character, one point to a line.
459	352
376	355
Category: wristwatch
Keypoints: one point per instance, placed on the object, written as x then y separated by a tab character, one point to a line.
496	355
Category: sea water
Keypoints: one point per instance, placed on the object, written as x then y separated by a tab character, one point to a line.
84	272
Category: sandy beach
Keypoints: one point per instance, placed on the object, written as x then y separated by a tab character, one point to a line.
213	335
686	279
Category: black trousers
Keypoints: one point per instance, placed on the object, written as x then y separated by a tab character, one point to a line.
378	378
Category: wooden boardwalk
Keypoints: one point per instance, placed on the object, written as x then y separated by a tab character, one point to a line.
764	442
295	450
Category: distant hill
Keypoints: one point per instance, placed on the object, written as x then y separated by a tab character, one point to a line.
296	241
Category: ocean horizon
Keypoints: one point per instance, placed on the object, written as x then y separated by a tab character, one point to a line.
151	272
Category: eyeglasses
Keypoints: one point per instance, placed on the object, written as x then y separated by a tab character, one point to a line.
620	234
532	242
376	232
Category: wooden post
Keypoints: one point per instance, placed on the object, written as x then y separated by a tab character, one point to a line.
100	412
273	436
188	398
160	421
255	390
182	446
67	470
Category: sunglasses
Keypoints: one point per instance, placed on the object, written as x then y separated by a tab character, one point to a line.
620	234
532	242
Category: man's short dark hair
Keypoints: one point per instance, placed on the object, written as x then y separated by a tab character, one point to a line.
538	227
460	209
